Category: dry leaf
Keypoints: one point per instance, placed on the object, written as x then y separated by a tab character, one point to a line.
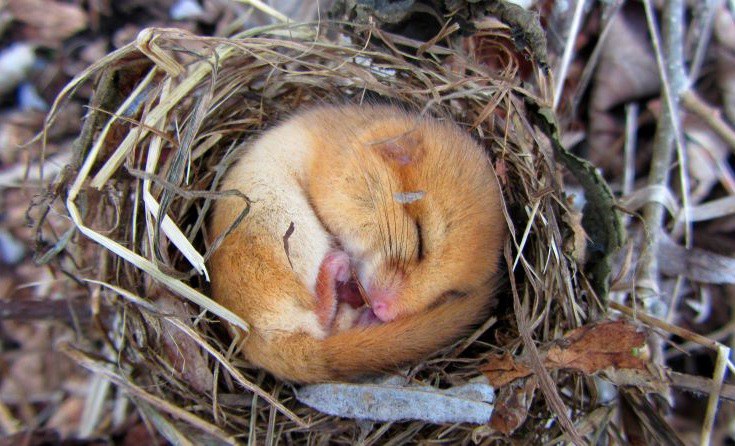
639	378
183	352
695	264
66	416
576	244
609	346
592	348
627	68
47	21
707	165
626	71
512	404
587	349
503	369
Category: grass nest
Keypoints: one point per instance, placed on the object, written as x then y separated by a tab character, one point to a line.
170	109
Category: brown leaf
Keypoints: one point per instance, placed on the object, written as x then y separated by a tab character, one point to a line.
511	405
575	245
596	347
608	346
627	68
642	379
503	369
626	71
589	349
47	21
140	434
183	352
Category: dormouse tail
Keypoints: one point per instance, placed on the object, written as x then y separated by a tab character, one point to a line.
375	348
404	341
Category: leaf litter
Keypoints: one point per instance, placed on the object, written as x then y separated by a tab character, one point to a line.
174	363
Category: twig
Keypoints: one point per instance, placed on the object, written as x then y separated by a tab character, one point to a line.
473	337
667	132
94	405
669	328
674	83
686	348
262	7
647	277
723	353
568	49
710	115
45	309
631	129
698	384
591	66
704	17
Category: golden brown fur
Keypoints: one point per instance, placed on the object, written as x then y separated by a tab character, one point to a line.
413	202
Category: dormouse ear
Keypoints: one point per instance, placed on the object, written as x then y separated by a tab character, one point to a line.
404	149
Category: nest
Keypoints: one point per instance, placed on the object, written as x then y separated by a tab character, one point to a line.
168	114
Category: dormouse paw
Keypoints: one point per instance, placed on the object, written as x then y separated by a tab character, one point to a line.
336	266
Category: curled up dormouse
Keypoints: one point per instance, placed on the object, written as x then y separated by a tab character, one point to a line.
372	241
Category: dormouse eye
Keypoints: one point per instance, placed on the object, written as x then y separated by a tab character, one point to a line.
420	241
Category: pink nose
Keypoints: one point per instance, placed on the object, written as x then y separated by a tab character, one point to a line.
383	312
384	304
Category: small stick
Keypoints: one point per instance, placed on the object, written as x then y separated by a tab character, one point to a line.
723	353
592	62
702	23
45	309
568	49
687	347
670	328
710	115
262	7
698	384
631	131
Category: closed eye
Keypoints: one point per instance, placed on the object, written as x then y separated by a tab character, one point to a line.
420	241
